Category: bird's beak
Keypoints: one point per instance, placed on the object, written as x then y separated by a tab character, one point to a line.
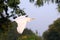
33	18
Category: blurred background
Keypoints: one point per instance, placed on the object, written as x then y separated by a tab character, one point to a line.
46	25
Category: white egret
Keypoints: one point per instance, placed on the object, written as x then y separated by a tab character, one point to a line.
22	21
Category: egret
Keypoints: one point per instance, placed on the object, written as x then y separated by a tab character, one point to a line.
22	21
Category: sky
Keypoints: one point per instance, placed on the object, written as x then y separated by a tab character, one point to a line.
44	15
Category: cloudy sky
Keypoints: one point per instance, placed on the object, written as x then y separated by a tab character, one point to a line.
44	15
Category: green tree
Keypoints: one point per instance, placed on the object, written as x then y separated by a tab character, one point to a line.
53	33
42	2
4	7
7	27
29	35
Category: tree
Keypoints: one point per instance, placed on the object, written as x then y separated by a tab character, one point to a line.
53	33
29	35
7	27
42	2
4	7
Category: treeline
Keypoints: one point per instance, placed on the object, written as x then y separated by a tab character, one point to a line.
53	33
12	34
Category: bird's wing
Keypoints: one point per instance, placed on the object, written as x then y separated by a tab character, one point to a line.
21	27
22	21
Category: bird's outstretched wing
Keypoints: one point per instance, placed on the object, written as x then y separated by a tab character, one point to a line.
22	21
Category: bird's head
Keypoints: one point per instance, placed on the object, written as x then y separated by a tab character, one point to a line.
30	19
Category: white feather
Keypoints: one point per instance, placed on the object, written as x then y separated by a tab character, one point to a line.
22	21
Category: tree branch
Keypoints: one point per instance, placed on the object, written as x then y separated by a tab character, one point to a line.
2	15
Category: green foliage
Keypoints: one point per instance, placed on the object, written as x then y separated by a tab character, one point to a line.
1	6
5	23
29	35
11	33
8	33
58	8
39	2
53	33
31	0
13	3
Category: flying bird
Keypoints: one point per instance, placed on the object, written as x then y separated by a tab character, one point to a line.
22	21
